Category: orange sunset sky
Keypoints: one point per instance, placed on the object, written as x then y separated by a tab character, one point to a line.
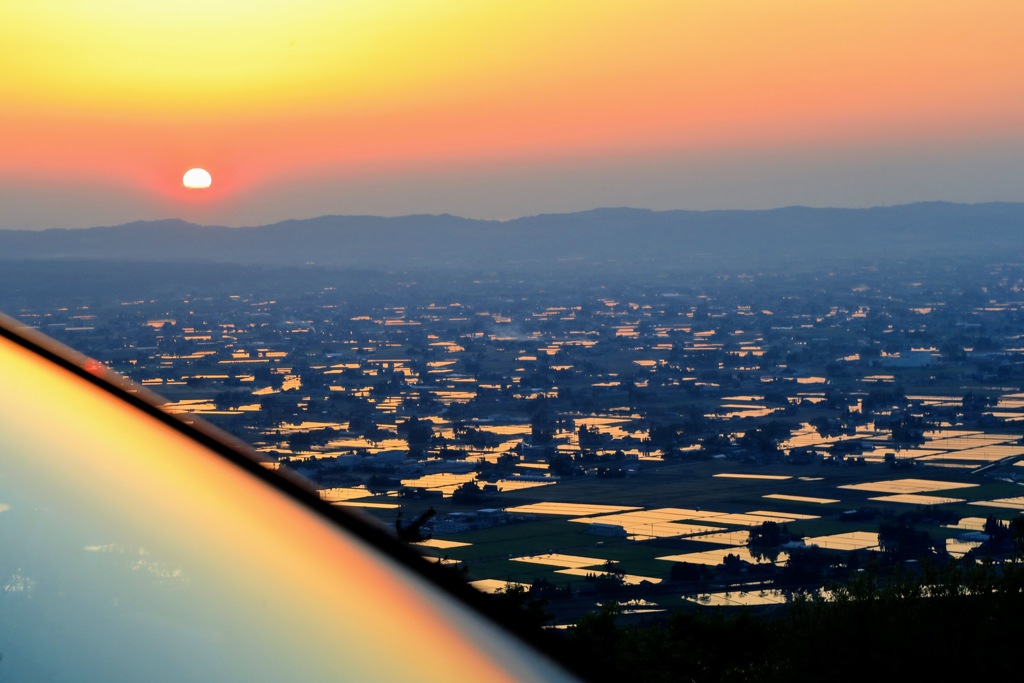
496	109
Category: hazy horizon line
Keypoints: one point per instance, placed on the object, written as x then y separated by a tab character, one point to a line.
150	221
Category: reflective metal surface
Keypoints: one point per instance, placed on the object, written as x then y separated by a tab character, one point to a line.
131	551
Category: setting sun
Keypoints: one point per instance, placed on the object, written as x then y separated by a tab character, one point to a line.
196	179
501	109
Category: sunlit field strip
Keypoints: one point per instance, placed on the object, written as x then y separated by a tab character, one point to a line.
1008	503
937	400
907	486
800	499
371	447
736	519
1008	416
518	484
963	440
713	558
749	519
638	529
665	515
969	524
783	516
560	560
647	522
569	509
356	504
445	482
979	454
724	538
737	598
853	540
728	411
916	499
916	453
809	437
496	585
629	579
505	430
441	544
655	516
440	480
339	494
728	475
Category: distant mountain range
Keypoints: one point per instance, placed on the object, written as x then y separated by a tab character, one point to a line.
619	238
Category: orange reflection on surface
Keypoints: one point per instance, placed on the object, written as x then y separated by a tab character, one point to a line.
275	581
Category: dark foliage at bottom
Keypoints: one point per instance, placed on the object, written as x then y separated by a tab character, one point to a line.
955	624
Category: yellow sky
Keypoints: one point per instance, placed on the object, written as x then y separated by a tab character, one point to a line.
265	93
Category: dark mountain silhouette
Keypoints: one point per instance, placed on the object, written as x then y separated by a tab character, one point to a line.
634	238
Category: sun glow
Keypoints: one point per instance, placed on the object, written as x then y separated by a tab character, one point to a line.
196	179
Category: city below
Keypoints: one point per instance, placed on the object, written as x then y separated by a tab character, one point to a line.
586	437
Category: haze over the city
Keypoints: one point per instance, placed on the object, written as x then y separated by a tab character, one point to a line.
502	109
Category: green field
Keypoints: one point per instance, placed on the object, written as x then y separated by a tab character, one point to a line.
693	486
